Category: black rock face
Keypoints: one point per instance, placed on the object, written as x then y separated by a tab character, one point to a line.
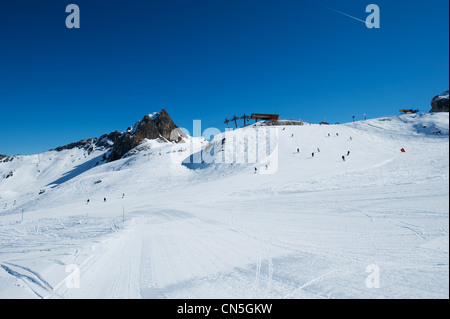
145	128
440	103
107	140
157	126
5	158
123	145
166	127
81	144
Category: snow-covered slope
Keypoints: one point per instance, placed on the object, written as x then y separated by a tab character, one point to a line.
31	174
196	220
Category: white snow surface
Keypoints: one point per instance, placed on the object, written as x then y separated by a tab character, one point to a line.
373	226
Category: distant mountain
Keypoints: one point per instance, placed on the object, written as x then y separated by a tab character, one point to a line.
440	103
64	163
154	126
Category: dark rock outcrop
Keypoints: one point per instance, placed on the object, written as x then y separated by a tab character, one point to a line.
159	125
108	140
81	144
123	145
105	141
166	127
156	126
5	158
440	103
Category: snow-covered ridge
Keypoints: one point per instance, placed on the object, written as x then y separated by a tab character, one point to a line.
31	174
304	224
38	173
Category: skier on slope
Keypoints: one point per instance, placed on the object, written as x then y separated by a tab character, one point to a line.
348	153
343	158
312	154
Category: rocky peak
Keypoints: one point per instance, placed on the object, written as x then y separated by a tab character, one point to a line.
154	126
440	103
167	127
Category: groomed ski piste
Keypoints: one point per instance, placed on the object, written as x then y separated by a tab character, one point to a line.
299	226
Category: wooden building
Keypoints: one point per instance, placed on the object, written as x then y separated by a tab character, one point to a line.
265	117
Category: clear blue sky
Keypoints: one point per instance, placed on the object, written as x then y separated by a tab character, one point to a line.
208	60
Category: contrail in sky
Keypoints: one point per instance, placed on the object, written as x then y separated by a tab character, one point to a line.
332	9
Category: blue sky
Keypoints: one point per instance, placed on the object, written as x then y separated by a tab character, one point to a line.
208	60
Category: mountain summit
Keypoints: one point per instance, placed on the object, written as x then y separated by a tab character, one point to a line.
440	103
154	126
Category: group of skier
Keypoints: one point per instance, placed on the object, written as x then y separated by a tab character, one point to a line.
318	149
104	199
312	154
